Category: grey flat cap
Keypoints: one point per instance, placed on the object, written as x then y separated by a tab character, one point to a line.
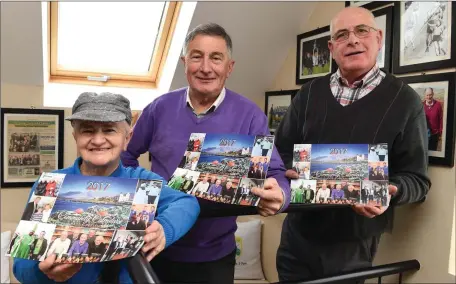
105	107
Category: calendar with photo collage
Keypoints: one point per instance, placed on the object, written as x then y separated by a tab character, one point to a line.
83	219
224	167
340	174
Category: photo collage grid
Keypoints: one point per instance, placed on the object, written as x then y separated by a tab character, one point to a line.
340	174
224	167
85	218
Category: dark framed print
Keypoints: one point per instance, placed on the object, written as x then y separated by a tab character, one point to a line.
370	5
276	105
437	92
384	21
313	58
424	36
32	143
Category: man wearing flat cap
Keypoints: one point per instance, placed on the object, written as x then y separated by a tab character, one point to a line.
101	129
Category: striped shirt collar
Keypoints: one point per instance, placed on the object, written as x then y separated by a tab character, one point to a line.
213	107
372	74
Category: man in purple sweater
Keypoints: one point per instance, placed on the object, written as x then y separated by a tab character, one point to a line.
206	254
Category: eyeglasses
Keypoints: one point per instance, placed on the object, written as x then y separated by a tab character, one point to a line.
360	31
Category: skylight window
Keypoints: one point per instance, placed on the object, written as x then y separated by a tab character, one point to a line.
110	43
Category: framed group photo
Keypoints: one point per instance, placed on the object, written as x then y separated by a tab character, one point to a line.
437	93
424	36
276	105
32	143
313	58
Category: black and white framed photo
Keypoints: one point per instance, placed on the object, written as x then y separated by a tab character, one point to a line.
437	92
424	36
370	5
384	20
32	143
313	58
276	105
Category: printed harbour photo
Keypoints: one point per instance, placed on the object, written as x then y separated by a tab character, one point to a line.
339	161
233	166
230	145
83	214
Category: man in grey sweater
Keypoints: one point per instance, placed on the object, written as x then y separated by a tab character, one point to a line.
357	104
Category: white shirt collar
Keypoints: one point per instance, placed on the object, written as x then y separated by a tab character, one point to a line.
216	104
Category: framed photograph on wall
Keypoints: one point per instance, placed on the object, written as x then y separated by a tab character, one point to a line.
32	143
276	105
424	36
370	5
437	92
384	21
313	58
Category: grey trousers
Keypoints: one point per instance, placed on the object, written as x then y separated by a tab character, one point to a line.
299	258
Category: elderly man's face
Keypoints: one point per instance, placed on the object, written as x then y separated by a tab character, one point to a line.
207	64
429	95
355	55
101	143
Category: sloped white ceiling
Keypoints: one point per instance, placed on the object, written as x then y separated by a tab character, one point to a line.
262	34
21	43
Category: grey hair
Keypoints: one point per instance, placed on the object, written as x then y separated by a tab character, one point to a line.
126	127
210	29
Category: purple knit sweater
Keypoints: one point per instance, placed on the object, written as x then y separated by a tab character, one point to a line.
164	128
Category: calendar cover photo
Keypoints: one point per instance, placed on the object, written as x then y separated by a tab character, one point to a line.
224	167
340	174
84	219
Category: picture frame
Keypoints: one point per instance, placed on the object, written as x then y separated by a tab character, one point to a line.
317	61
441	146
385	21
424	36
282	100
370	5
32	143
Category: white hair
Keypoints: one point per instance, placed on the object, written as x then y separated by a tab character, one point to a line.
75	124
